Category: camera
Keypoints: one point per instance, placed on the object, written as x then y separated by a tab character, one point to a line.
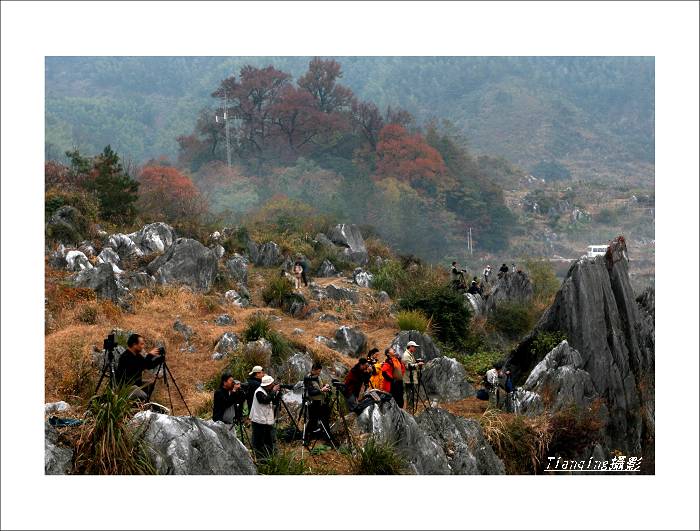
338	384
109	343
161	351
287	387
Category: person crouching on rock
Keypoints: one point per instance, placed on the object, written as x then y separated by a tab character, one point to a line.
393	371
228	401
262	417
356	380
132	364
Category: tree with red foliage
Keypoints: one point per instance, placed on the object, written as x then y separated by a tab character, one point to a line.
408	158
297	117
321	82
167	194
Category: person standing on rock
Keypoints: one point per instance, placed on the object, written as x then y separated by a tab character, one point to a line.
132	364
301	263
262	417
457	276
393	371
410	376
487	273
502	271
377	380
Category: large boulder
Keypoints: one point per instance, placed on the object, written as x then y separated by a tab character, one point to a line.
238	267
326	269
236	299
267	255
467	450
103	280
446	380
511	288
124	246
191	446
153	238
349	238
323	241
596	309
57	459
341	294
362	278
388	423
187	262
349	341
476	304
109	256
77	261
136	280
226	344
427	350
295	368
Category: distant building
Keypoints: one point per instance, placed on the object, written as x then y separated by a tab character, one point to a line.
596	250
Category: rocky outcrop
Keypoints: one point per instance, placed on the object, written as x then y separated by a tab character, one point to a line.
561	379
109	256
235	298
446	380
334	292
463	442
349	238
427	350
153	238
238	268
362	278
135	280
596	309
326	269
124	246
476	304
191	446
187	262
77	261
349	341
511	288
265	255
57	459
226	344
102	280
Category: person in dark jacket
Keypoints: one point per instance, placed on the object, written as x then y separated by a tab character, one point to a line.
132	364
315	392
357	378
304	266
228	401
502	271
252	383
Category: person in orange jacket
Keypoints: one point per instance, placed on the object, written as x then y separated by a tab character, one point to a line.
393	371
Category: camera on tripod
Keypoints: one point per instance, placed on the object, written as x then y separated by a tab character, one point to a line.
161	351
109	344
340	386
286	387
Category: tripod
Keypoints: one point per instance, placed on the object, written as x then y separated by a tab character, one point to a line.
306	415
108	367
340	410
166	372
238	423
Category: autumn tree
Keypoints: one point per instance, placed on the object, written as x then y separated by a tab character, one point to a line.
368	121
321	82
169	195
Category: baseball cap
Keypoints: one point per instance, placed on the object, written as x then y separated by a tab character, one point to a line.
412	344
257	368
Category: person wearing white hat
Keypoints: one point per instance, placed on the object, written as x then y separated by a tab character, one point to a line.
262	417
252	383
410	377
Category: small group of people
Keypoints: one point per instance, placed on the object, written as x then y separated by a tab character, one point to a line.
298	276
498	383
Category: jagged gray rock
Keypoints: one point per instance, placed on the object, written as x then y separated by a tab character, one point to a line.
362	278
57	258
153	238
103	280
135	280
511	288
109	256
476	304
267	255
383	297
184	329
238	267
224	320
427	349
226	344
463	442
342	294
77	261
191	446
187	262
57	459
323	241
349	341
326	269
446	380
235	298
596	309
349	238
123	245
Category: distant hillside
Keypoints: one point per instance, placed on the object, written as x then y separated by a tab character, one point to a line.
590	117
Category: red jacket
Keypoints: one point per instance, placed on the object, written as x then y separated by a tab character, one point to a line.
388	368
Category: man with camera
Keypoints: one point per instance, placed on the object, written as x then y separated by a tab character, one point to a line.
315	395
357	378
410	377
457	277
393	371
228	401
132	364
255	376
262	417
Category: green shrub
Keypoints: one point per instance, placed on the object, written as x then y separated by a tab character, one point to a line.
257	326
413	320
544	342
279	293
544	282
378	459
282	464
390	277
512	319
107	443
86	203
478	363
88	314
449	314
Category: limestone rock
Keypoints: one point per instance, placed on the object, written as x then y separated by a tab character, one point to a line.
446	380
426	350
187	262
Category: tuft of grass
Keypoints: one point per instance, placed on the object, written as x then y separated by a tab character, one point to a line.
378	458
107	444
88	314
413	320
279	293
282	463
545	342
478	363
257	326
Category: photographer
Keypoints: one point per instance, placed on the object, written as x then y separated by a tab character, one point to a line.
410	377
457	276
315	393
262	417
376	381
393	371
357	378
228	401
132	364
255	376
498	382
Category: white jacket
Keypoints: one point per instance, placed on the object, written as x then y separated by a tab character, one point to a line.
262	413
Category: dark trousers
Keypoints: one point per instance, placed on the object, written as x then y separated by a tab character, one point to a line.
319	414
411	395
263	440
397	392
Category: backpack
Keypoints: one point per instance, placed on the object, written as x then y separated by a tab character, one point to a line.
509	384
482	394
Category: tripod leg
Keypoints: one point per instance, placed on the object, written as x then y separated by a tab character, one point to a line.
177	388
